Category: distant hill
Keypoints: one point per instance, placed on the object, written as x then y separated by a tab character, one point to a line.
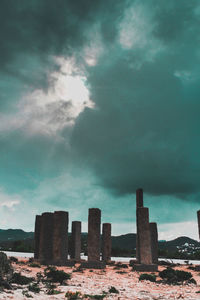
14	235
126	242
179	242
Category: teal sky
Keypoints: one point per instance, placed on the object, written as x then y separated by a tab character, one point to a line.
98	98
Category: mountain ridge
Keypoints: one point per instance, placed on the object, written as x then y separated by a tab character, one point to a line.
124	241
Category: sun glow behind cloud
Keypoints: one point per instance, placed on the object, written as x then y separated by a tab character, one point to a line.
48	112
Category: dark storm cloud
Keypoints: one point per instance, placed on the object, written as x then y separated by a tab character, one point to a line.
33	31
144	130
51	27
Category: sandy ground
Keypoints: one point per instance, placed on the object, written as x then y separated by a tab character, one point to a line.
96	282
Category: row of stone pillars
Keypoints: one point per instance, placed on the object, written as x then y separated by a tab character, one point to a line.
147	238
51	239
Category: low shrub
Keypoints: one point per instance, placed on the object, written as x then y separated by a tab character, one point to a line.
56	275
121	272
4	284
192	280
39	277
34	288
35	265
183	276
150	277
120	265
20	279
13	259
113	290
73	295
26	294
53	292
172	276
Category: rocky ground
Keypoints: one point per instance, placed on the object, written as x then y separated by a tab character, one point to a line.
100	284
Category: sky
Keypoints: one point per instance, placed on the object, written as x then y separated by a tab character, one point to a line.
97	99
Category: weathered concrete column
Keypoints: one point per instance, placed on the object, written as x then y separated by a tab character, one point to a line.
144	238
106	242
139	203
94	227
198	219
76	240
37	236
46	238
139	198
154	242
60	237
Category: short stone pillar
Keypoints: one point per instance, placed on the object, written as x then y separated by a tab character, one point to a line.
154	242
37	236
144	238
76	240
60	237
106	242
94	227
46	238
198	219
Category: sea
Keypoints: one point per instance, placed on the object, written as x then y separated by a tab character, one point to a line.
117	259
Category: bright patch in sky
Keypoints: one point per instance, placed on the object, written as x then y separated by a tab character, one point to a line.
47	112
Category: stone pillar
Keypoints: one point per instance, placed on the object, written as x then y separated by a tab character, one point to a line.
94	227
144	238
46	238
198	218
139	198
60	237
154	242
76	240
139	203
37	236
106	242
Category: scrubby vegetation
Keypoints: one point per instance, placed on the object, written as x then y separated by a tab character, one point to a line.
113	290
171	276
13	259
21	279
26	294
149	277
73	295
34	287
54	275
120	265
98	297
35	265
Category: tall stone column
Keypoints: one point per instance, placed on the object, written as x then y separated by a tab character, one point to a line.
139	198
198	219
37	236
94	227
60	237
139	203
106	242
76	240
154	242
144	238
46	238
